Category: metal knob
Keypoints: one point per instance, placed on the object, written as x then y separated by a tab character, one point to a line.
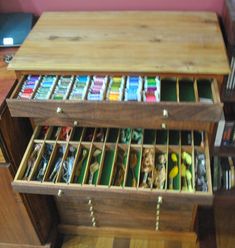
60	193
93	219
89	202
59	110
91	208
92	214
163	126
158	206
75	123
157	218
94	224
165	113
158	213
160	199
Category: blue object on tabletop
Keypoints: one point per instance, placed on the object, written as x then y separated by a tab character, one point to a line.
14	28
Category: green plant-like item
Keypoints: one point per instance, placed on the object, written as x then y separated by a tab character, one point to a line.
133	164
174	171
79	165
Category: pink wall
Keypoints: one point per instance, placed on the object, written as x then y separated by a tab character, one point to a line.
38	6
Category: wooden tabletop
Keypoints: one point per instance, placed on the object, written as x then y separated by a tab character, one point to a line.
143	42
7	78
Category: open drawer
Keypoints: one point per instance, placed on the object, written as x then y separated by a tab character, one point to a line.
178	99
138	164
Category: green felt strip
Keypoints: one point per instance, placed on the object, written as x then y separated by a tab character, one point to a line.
107	167
83	169
204	88
186	91
174	137
112	135
77	134
168	90
161	137
149	136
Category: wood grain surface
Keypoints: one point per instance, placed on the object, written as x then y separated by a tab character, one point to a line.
170	42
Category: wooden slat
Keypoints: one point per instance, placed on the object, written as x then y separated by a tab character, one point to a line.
180	42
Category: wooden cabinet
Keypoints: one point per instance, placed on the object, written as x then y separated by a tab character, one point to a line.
186	51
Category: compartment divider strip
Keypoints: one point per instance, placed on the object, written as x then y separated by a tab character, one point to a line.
177	90
75	162
196	90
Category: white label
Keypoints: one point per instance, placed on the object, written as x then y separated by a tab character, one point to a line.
8	41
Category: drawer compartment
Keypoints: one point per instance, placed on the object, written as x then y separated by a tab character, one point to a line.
132	163
180	100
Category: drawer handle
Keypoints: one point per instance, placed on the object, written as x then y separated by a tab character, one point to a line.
160	199
59	110
60	193
89	202
165	113
163	126
157	225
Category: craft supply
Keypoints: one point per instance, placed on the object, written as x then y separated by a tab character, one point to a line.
137	136
147	166
68	164
200	172
31	160
29	86
82	157
80	87
133	89
183	176
44	162
97	89
65	133
100	134
133	164
45	88
119	168
159	172
125	135
62	88
94	166
116	88
152	89
56	165
174	171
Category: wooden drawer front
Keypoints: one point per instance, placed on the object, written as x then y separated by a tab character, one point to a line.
127	208
51	176
184	103
73	211
125	221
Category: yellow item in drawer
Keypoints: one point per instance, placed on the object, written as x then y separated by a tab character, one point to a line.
173	173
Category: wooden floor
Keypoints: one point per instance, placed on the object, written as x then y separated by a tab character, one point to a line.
113	242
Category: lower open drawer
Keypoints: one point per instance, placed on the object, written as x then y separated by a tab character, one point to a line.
132	163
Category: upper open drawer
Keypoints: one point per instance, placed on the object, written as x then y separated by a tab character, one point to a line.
130	100
131	163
